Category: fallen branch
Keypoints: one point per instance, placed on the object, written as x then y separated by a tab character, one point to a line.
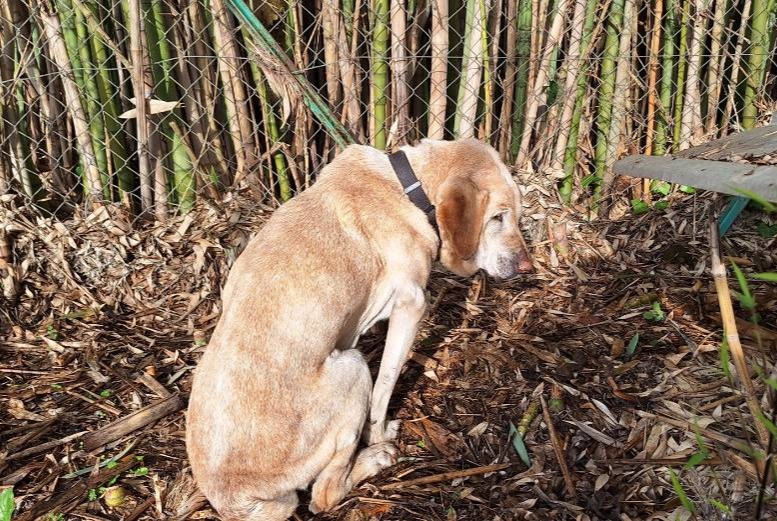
447	476
133	422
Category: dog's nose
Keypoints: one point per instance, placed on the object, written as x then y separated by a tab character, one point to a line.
524	265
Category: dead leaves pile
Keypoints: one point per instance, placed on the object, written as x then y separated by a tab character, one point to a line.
104	318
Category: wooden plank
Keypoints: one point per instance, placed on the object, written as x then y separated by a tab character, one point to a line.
754	143
717	176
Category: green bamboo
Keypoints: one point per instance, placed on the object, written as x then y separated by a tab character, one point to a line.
667	84
523	54
161	52
570	154
273	133
380	74
756	65
91	95
108	101
606	90
682	67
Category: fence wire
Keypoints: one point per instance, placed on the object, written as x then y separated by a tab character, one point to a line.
561	87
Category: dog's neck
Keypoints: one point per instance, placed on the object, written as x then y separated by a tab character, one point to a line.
425	163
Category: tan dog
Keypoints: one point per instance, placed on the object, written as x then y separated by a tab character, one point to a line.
281	397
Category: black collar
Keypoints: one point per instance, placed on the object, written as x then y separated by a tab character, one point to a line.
411	184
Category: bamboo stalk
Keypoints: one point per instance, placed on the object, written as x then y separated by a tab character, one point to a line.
655	41
439	69
472	72
538	93
621	94
351	86
234	90
730	331
607	87
10	112
380	73
759	50
58	50
680	82
572	78
570	153
141	102
667	83
691	119
523	48
490	73
736	66
399	71
329	25
715	65
510	77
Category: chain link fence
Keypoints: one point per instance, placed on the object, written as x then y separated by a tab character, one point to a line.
561	87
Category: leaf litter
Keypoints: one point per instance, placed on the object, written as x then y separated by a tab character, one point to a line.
102	321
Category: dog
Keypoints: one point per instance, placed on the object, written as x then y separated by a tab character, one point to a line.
281	397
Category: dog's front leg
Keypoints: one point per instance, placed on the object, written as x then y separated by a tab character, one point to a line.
405	317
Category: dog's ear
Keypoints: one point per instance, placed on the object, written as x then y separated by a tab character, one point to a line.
460	216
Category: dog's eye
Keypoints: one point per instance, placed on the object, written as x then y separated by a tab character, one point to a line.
498	218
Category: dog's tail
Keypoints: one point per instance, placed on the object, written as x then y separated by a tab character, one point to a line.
252	509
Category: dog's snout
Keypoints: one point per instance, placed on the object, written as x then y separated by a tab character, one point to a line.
523	263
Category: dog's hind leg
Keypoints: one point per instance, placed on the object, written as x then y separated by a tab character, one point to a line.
348	386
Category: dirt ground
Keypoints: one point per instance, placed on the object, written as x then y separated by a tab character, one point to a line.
100	321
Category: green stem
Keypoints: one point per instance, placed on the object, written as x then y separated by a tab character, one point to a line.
682	66
606	90
570	154
759	50
380	74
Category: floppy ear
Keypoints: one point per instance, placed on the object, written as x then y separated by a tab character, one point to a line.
460	216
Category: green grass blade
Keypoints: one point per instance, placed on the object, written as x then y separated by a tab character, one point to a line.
519	445
681	495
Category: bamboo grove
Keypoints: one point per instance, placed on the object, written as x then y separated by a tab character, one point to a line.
563	87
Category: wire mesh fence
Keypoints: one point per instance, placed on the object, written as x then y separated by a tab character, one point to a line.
562	87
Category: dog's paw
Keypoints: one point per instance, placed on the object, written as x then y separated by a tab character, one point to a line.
373	459
374	434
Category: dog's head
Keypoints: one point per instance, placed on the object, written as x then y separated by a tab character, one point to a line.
478	212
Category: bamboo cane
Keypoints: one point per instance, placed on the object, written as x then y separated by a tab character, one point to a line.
380	74
523	49
759	50
330	29
234	90
510	77
622	90
681	73
538	95
691	118
715	65
53	32
571	151
472	72
607	87
399	71
667	80
655	41
439	69
736	66
491	60
572	78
